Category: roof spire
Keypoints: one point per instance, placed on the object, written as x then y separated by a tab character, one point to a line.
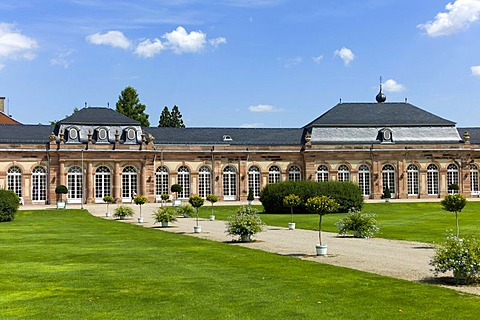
380	96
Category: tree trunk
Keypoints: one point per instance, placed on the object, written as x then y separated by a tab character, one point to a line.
320	230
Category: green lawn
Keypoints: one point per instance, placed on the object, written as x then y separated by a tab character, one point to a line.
417	221
66	264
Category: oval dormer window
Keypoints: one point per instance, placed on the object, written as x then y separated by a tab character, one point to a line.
73	134
387	135
131	134
227	138
102	134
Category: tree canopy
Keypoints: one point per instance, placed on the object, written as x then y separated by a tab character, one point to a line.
129	105
171	118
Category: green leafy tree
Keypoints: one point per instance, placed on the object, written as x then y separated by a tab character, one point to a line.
321	206
165	118
128	104
291	201
454	203
196	202
212	198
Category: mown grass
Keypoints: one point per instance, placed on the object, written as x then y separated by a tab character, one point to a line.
66	264
415	221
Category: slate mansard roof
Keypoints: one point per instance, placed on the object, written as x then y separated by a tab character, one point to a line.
10	133
99	116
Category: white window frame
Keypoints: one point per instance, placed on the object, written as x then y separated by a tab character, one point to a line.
364	179
343	173
204	181
322	173
389	178
75	184
184	180
14	180
413	185
254	180
129	180
273	174
229	183
103	183
452	177
474	181
161	182
294	173
432	180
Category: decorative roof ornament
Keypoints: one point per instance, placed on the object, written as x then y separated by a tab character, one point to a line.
380	96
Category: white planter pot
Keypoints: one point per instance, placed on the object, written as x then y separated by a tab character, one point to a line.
197	229
164	224
321	250
250	202
245	238
61	205
212	217
387	199
140	219
177	203
291	226
107	214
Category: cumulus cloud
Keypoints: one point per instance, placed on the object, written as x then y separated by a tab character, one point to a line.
458	16
15	45
148	49
62	58
215	42
180	41
318	59
346	55
475	70
114	39
263	108
393	86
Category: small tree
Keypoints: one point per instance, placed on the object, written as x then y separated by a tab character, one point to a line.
245	223
164	197
9	203
176	188
212	198
454	203
321	205
108	200
196	202
60	190
387	194
291	201
139	200
250	196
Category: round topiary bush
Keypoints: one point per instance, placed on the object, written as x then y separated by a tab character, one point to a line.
9	203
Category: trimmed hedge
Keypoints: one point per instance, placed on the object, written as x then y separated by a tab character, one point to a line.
9	203
347	194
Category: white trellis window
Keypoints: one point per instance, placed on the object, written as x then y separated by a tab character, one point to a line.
343	173
184	181
39	184
229	183
412	180
322	173
294	174
474	187
204	181
103	185
129	183
74	184
364	179
432	179
452	177
274	174
161	182
388	178
254	180
14	180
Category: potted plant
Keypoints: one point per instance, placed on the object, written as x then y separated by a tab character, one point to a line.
108	200
196	202
321	205
250	196
454	203
164	215
60	190
122	212
185	210
176	188
139	200
292	200
387	194
453	188
361	224
245	223
164	197
212	198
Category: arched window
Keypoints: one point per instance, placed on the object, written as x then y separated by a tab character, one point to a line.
322	173
14	180
103	185
474	187
161	182
39	184
294	174
274	174
388	178
432	179
254	180
343	173
452	177
229	183
74	184
412	180
184	181
204	181
364	179
129	183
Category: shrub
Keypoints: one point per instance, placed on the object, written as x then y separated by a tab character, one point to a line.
250	196
361	224
462	256
347	194
9	203
185	210
176	188
123	211
60	190
108	199
165	214
386	194
245	223
291	201
454	203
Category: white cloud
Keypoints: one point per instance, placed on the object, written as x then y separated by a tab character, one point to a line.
252	125
114	39
62	58
264	108
180	41
346	55
318	59
393	86
292	62
148	49
217	41
475	70
458	16
15	45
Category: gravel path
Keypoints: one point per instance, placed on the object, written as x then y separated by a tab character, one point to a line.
399	259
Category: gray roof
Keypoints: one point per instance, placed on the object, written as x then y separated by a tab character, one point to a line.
239	136
10	133
474	134
99	116
377	114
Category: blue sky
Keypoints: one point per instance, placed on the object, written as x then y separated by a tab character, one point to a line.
239	63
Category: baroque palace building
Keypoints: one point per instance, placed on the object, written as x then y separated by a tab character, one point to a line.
97	152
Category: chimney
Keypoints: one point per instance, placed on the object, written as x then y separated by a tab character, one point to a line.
2	104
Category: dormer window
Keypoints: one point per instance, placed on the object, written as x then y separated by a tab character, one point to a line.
72	134
385	135
102	134
227	137
131	134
